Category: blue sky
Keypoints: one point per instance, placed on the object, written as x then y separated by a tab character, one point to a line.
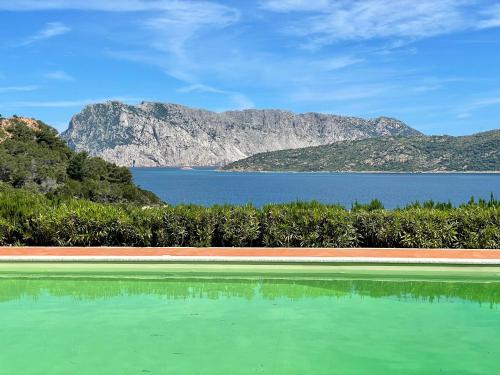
434	64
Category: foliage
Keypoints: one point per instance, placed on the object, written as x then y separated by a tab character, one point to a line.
28	218
307	225
237	226
33	157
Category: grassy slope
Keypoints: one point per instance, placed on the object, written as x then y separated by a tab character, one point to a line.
34	158
478	152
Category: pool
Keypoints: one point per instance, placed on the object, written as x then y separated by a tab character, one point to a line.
189	319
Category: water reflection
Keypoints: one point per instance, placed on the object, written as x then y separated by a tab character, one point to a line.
213	288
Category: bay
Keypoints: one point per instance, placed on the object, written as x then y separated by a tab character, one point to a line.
208	187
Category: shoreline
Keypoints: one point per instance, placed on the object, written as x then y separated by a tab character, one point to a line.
218	169
360	172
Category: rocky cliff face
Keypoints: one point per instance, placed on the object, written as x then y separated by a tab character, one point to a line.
156	134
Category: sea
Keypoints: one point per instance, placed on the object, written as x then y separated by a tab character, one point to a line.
209	187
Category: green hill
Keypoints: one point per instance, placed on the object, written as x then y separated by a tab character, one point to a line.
34	158
478	152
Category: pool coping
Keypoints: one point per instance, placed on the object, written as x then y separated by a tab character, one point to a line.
252	255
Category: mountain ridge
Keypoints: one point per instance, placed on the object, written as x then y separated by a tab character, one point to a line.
169	134
476	152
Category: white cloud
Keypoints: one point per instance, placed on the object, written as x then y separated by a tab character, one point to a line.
65	103
340	94
492	18
336	63
344	20
59	75
181	21
7	89
467	109
201	88
294	5
239	100
50	30
102	5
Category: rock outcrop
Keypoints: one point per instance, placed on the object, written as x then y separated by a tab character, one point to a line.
156	134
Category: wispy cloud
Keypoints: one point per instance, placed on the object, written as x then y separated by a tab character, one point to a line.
181	21
174	35
106	5
50	30
8	89
294	5
344	20
467	109
59	75
239	100
491	17
336	63
66	103
340	94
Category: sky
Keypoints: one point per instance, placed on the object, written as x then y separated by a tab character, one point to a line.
434	64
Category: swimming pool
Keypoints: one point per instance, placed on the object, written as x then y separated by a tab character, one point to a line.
180	320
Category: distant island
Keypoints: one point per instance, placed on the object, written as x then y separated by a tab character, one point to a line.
171	135
477	152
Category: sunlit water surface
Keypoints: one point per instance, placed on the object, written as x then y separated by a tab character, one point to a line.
209	187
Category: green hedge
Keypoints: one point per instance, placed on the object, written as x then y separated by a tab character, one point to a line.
28	218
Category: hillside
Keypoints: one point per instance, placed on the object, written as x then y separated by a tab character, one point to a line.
478	152
157	134
34	158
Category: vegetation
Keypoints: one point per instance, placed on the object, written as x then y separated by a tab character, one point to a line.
28	218
53	196
478	152
34	158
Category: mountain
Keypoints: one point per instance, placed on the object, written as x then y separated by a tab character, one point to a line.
478	152
156	134
33	157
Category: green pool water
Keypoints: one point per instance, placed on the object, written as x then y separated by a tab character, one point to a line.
190	324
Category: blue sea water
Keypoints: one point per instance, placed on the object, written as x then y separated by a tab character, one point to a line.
209	187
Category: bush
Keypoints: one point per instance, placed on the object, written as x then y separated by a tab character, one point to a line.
477	227
28	218
425	228
6	231
237	226
82	223
307	225
182	226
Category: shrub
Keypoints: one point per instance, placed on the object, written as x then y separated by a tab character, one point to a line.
83	223
182	226
237	226
6	231
426	228
29	218
372	228
476	226
307	225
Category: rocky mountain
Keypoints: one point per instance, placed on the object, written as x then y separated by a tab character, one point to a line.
478	152
156	134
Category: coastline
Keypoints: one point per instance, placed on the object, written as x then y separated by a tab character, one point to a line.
219	169
358	172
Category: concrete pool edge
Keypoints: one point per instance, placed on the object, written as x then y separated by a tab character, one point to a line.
255	260
296	271
310	256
